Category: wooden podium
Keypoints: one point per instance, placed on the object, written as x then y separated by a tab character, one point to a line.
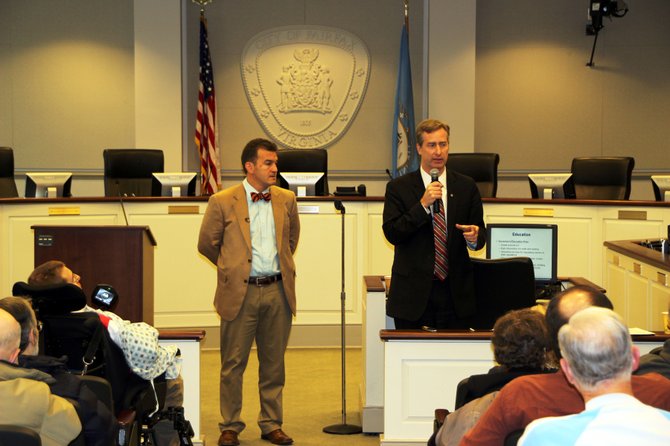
121	256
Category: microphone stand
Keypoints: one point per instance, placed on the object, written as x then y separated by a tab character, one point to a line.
344	428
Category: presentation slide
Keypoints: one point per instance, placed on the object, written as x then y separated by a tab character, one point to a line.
535	243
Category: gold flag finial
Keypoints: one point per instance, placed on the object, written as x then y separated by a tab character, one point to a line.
202	4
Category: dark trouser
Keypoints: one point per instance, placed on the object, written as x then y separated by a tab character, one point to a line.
439	312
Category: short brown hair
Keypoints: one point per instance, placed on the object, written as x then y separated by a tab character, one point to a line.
430	126
521	340
250	151
48	273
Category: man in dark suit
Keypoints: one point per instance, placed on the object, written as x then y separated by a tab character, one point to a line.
432	281
250	232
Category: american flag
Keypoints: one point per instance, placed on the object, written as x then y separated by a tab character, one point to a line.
206	131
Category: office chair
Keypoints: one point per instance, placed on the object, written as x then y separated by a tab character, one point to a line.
481	167
18	436
304	160
603	177
129	171
501	285
7	183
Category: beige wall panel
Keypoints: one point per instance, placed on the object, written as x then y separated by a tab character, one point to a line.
72	82
536	96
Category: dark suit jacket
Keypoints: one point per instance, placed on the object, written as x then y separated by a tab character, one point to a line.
409	228
225	239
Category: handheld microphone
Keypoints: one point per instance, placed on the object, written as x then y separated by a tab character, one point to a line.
434	175
388	172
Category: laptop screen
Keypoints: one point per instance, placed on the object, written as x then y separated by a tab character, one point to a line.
537	241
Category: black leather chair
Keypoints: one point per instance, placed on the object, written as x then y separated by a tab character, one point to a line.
7	183
602	177
481	167
129	171
501	285
18	436
304	160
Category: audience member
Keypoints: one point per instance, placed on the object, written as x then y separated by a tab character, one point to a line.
598	357
656	361
520	343
148	359
28	402
536	396
99	425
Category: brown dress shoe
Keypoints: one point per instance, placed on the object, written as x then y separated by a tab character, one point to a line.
228	438
277	436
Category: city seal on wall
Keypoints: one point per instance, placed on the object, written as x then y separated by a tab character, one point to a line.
305	83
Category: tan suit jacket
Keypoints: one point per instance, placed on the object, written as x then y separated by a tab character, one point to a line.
225	239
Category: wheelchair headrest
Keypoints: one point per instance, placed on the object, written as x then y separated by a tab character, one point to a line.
52	299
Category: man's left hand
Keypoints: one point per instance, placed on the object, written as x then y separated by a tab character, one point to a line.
470	232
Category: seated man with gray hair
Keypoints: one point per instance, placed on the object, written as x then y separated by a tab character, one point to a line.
598	357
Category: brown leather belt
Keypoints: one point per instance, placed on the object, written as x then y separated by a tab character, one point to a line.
264	280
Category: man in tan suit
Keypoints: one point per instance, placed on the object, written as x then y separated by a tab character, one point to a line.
250	232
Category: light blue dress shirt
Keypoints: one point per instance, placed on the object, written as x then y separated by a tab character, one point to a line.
264	255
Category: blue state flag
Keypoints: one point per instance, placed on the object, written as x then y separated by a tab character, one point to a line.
405	157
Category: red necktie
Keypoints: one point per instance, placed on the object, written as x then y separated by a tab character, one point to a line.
440	235
255	196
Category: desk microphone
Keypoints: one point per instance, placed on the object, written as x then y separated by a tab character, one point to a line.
123	207
339	206
434	175
388	172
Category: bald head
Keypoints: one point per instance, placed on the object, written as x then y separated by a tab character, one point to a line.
569	302
10	337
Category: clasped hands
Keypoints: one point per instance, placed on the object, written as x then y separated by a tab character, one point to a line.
434	192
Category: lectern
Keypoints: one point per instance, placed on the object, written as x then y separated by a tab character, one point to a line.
122	256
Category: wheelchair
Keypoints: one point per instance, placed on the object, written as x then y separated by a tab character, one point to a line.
81	336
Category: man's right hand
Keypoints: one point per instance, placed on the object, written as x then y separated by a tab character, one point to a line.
433	192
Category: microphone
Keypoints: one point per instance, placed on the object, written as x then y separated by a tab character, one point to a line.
123	207
339	206
388	172
434	175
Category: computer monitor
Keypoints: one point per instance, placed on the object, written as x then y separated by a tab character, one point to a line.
551	185
661	185
537	241
173	184
303	184
48	184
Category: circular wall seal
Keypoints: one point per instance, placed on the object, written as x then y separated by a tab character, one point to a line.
305	83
